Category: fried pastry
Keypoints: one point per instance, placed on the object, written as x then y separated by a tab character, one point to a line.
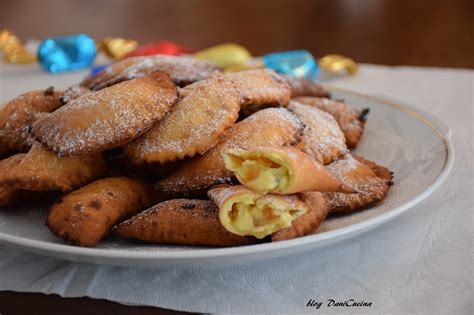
181	221
305	87
85	216
193	126
323	140
17	115
74	92
256	87
8	194
248	213
285	170
270	127
308	222
182	70
41	169
370	181
108	118
350	119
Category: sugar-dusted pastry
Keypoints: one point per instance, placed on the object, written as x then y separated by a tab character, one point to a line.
8	194
17	115
181	221
268	127
350	119
41	169
305	87
323	139
108	118
284	170
84	216
248	213
73	92
193	126
256	87
308	222
370	181
182	70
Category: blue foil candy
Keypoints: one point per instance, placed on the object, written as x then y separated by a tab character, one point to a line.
96	69
296	63
66	53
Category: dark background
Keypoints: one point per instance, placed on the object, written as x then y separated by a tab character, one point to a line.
393	32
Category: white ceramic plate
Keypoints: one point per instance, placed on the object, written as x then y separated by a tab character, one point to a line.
414	144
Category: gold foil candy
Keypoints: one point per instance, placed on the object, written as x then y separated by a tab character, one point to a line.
117	47
253	63
225	55
13	50
7	38
337	63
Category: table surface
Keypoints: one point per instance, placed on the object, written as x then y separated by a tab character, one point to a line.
392	32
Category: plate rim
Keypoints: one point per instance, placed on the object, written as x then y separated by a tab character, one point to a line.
443	132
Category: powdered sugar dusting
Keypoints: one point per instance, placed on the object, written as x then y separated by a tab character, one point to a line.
74	92
104	119
261	86
256	87
304	87
17	114
348	117
194	124
187	206
268	127
368	186
323	139
182	70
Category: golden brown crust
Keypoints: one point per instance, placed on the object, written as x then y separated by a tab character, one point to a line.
182	70
40	169
181	221
85	216
381	171
303	172
193	126
9	194
322	138
108	118
74	92
308	222
371	181
17	115
305	87
270	127
111	75
350	119
256	87
11	162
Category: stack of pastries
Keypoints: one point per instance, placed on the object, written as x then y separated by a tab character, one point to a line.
171	150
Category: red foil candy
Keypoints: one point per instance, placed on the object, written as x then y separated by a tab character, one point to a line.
163	47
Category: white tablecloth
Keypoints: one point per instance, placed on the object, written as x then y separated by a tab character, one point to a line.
421	262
